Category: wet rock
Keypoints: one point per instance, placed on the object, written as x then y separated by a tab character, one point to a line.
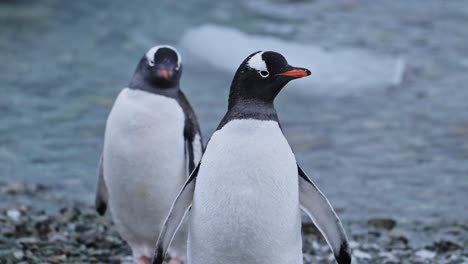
6	228
12	188
399	236
382	223
17	188
443	246
456	229
310	228
56	238
69	214
89	238
59	258
308	258
28	240
42	225
388	258
18	255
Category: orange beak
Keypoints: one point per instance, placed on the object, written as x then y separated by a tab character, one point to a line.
296	73
164	74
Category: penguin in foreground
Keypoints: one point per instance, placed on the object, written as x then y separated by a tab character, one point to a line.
152	142
247	192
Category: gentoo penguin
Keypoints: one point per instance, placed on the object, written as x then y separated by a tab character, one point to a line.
152	142
247	192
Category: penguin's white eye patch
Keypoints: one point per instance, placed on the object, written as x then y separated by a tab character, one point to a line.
257	63
151	52
150	55
264	73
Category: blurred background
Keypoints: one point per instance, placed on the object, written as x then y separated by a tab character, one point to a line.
381	125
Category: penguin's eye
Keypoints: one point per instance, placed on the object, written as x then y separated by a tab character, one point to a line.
264	74
151	63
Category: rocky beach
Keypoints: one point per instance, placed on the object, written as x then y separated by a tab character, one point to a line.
73	232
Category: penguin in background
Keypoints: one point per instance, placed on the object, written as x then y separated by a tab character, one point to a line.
247	192
152	142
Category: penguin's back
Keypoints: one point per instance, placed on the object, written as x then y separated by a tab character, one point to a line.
144	162
246	200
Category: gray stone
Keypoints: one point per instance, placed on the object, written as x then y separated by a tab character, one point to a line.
425	254
18	254
14	214
382	223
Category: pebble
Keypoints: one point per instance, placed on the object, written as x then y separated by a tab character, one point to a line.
12	188
57	238
315	245
398	235
353	244
382	223
456	229
388	257
361	254
445	246
425	254
28	240
14	214
18	254
16	188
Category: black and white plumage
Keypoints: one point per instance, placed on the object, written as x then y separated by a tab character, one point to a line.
247	191
152	143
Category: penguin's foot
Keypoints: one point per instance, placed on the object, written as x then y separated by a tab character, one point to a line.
143	260
175	260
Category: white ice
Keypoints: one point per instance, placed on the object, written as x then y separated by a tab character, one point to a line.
335	72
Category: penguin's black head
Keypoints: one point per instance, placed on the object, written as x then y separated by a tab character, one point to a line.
160	67
262	75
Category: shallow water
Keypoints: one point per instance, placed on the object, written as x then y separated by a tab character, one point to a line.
400	152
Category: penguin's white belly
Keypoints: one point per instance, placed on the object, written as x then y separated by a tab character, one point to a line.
246	200
144	163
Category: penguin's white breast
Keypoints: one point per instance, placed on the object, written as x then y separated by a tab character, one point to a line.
144	160
246	201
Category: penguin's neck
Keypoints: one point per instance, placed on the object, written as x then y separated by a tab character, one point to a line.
144	85
249	109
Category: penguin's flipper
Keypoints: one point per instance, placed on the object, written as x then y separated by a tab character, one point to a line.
192	134
180	206
101	193
193	148
319	209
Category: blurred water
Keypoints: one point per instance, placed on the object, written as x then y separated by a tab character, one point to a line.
400	152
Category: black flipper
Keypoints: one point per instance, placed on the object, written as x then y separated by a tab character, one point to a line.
192	134
319	209
178	210
101	192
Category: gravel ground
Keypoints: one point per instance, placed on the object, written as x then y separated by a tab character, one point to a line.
74	233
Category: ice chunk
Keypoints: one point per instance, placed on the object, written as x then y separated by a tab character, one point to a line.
338	72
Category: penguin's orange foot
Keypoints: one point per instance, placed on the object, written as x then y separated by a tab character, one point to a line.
175	261
144	260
